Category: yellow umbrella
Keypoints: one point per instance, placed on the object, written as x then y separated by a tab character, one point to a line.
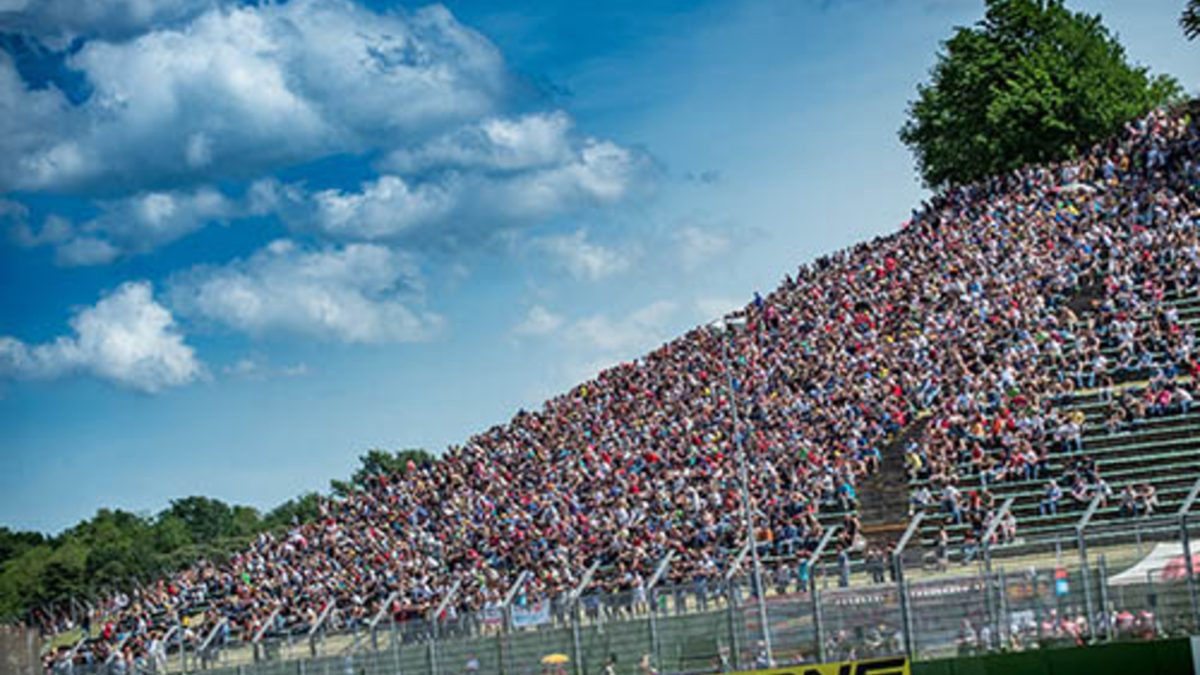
555	659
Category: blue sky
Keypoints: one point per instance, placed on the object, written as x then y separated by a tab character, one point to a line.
243	243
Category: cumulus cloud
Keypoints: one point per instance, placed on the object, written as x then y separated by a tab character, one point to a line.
126	339
242	89
361	293
698	246
538	321
581	258
136	224
499	172
496	144
621	336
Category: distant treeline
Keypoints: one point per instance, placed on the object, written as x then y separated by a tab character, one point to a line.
117	549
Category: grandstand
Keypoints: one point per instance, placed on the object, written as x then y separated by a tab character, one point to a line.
1033	320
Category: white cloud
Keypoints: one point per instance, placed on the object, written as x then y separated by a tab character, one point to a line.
246	88
583	259
698	246
488	175
638	331
384	208
538	321
359	293
126	338
496	144
258	368
136	224
84	251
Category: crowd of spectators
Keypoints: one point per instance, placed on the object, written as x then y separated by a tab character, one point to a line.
969	316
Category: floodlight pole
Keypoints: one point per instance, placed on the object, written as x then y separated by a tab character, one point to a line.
744	479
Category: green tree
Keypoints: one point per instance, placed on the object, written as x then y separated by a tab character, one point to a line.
1031	82
378	462
206	519
1190	21
302	509
13	544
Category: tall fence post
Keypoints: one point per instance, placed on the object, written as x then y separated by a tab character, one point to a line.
1004	620
818	619
1186	540
506	618
652	599
731	610
442	606
989	592
1081	543
902	585
573	600
731	604
182	646
1105	608
262	630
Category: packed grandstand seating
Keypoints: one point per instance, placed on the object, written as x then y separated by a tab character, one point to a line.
1005	317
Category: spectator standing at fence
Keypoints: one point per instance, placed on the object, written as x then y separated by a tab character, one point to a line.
1050	499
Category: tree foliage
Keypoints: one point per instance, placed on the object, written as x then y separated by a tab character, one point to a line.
1190	21
116	549
1031	82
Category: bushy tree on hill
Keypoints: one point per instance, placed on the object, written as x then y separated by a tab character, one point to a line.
1031	82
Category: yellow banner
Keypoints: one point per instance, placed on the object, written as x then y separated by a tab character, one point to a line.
887	666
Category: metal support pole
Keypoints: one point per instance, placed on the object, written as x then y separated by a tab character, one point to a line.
1085	577
1001	630
651	593
384	610
182	646
436	619
1105	608
732	610
506	616
729	326
1186	540
990	531
258	635
312	632
204	646
818	621
573	599
576	642
902	585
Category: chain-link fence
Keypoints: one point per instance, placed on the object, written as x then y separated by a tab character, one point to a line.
1126	579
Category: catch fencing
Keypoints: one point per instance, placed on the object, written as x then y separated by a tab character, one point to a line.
1128	579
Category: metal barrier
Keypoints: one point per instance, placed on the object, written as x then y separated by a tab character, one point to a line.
1126	579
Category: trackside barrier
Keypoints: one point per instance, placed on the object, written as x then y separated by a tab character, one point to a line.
1132	582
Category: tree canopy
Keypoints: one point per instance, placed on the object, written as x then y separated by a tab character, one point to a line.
116	549
1190	21
1031	82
